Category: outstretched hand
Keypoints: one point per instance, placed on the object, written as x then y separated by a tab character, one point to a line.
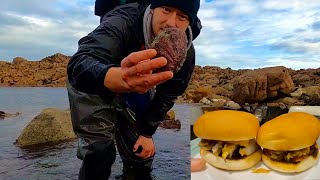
135	73
137	70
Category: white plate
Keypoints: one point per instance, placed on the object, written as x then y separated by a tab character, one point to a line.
212	173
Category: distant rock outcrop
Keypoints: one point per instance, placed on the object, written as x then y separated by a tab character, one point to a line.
216	84
49	72
51	125
267	85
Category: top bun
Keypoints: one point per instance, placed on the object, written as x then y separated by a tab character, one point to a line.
226	125
289	132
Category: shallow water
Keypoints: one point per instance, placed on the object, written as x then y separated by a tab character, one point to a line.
58	161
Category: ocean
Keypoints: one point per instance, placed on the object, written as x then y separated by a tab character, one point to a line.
59	161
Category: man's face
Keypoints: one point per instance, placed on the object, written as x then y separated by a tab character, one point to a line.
166	17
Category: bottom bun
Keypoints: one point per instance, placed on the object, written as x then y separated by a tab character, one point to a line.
228	164
305	164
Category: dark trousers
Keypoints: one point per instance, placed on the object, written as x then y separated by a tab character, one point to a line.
99	155
99	122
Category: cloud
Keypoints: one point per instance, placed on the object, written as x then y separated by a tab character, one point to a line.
236	33
316	25
34	33
259	33
295	62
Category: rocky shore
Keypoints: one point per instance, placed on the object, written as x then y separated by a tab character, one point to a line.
211	84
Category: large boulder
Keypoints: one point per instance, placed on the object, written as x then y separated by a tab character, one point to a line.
51	125
260	84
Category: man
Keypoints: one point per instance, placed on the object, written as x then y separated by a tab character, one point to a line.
113	93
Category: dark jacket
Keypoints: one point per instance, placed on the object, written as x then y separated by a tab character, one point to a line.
101	7
119	34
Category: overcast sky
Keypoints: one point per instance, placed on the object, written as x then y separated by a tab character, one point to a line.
240	34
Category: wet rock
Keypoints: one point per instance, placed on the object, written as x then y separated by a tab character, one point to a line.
51	125
171	124
170	115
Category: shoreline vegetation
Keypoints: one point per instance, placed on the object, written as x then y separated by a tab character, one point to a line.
209	85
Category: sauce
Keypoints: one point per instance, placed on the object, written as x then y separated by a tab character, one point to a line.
260	170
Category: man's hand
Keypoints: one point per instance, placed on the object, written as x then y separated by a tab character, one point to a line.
135	73
148	148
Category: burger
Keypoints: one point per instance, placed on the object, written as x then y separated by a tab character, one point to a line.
228	139
289	142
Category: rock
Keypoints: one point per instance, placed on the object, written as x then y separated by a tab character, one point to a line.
313	92
192	96
258	85
218	102
297	93
304	79
8	115
206	109
221	92
310	95
180	100
210	82
277	105
49	72
214	96
232	105
171	124
289	101
51	125
309	101
18	60
203	91
214	82
170	115
228	87
205	101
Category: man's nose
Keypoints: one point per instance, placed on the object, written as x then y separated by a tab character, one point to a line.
171	21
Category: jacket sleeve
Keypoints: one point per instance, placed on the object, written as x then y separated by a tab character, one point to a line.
166	94
97	52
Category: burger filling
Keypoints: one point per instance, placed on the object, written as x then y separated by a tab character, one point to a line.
230	149
292	156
